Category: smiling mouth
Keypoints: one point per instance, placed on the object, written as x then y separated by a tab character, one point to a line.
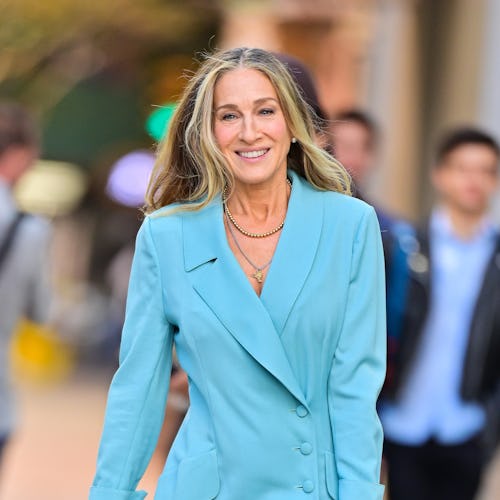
252	154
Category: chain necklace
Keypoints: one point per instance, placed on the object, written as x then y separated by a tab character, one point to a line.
248	233
258	274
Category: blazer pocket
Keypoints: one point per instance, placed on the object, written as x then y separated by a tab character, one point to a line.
332	480
198	478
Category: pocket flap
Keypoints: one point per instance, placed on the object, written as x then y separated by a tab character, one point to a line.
198	478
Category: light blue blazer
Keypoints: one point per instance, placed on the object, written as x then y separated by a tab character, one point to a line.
282	386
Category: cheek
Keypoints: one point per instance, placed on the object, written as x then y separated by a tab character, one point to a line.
281	130
445	183
490	187
475	187
223	135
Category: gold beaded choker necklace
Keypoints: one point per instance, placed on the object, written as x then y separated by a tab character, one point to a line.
248	233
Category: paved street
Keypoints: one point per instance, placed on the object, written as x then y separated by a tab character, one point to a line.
54	453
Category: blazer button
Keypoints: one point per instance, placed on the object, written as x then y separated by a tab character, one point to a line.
306	448
308	486
301	411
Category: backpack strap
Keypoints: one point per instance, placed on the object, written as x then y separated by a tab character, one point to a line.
10	236
405	244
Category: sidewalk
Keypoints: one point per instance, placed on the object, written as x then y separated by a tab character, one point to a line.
53	455
54	452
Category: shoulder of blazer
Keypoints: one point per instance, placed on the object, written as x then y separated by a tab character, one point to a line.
351	208
171	217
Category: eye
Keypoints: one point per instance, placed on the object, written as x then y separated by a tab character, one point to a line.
227	117
266	111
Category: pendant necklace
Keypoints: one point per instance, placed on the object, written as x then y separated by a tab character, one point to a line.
258	274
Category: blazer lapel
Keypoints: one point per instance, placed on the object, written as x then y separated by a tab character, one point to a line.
219	280
295	252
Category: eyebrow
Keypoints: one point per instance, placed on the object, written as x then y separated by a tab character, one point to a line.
257	102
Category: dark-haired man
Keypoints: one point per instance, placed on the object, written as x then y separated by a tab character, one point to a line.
23	248
441	405
354	138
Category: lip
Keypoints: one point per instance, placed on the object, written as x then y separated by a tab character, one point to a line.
252	154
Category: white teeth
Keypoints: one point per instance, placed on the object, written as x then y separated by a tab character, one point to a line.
253	154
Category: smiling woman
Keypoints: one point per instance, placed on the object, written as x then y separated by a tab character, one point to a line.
269	281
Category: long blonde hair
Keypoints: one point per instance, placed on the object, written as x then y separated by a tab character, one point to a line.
190	168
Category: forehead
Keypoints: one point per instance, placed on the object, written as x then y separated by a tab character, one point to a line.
242	86
472	153
350	128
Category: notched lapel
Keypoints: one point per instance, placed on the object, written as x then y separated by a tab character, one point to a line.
295	253
200	245
219	280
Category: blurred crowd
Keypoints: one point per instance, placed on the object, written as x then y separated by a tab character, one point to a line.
440	406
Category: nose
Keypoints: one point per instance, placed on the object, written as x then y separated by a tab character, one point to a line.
249	132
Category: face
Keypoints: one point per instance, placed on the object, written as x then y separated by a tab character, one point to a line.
15	161
467	178
352	146
250	128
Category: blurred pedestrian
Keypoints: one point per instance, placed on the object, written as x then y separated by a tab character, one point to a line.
354	138
24	242
283	343
441	407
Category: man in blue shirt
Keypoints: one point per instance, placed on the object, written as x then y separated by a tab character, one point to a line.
441	406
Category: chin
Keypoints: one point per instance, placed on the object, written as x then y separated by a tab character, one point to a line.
257	178
475	208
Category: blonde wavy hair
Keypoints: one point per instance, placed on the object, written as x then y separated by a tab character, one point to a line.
190	168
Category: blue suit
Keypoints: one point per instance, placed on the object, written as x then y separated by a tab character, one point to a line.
283	386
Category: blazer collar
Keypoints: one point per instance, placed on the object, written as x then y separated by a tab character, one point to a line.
255	322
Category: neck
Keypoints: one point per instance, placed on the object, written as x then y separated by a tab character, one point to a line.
464	224
260	203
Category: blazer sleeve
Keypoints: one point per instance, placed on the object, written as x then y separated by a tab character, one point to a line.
358	370
138	392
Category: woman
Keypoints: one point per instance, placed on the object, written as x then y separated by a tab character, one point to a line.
269	280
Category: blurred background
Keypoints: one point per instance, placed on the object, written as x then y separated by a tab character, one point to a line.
102	79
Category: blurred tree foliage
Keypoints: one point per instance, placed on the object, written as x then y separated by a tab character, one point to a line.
34	33
93	69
